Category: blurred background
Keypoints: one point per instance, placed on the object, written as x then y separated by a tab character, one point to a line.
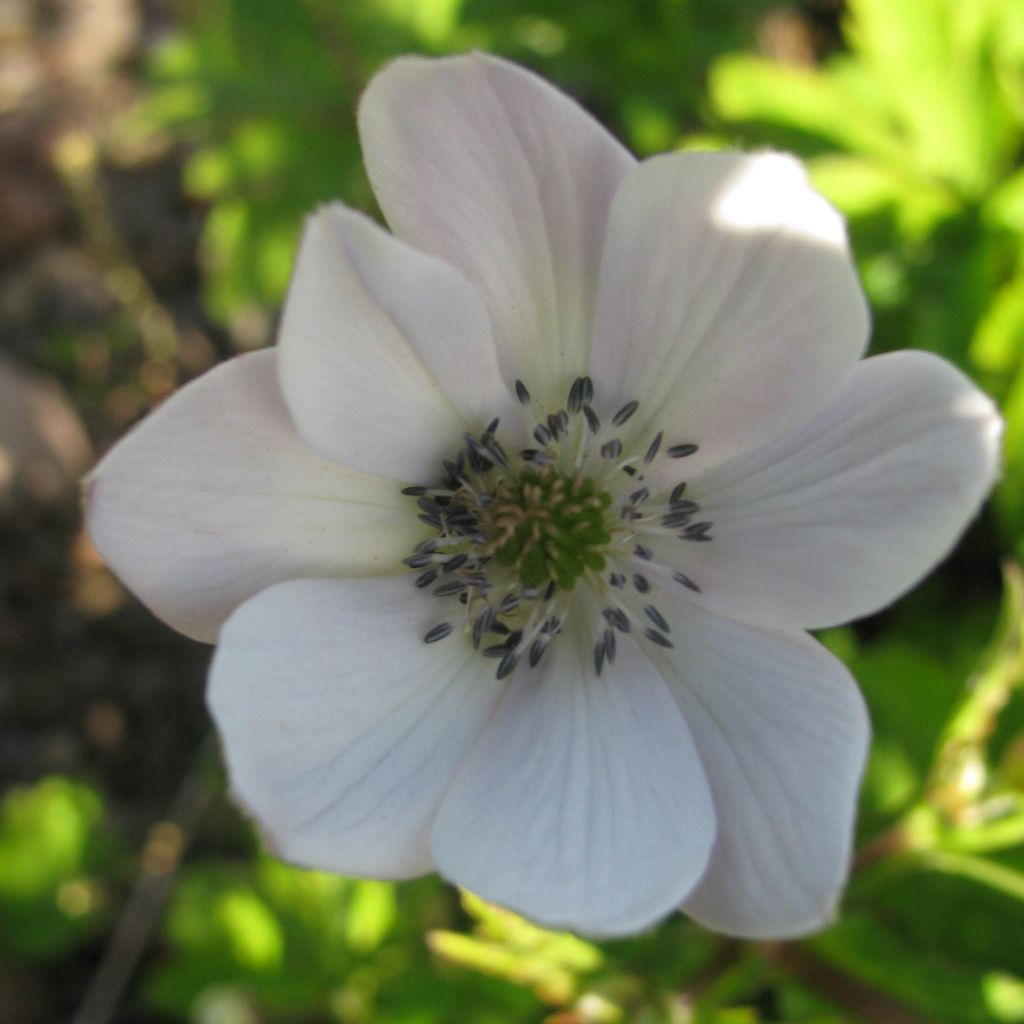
156	159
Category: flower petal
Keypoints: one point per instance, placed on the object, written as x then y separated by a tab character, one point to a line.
729	306
782	733
841	517
584	805
386	354
215	497
340	726
490	168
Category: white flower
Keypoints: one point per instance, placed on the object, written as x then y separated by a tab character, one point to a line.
617	710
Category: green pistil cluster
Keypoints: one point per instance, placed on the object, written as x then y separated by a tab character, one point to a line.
549	525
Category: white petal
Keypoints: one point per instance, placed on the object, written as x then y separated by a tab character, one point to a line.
841	517
386	354
729	306
487	166
782	733
341	727
584	805
215	497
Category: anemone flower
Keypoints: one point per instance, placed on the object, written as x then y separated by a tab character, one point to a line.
511	544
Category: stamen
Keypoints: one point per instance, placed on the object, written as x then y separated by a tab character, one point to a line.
508	663
624	413
609	645
657	618
680	451
451	587
681	577
674	520
616	617
420	560
439	632
537	649
698	531
516	535
575	400
652	449
658	638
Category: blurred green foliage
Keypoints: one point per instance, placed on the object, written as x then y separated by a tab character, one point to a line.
54	853
910	115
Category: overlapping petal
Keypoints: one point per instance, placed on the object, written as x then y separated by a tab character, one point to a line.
729	305
584	804
842	516
782	734
215	497
342	728
386	353
487	166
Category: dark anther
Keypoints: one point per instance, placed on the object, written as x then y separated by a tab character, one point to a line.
681	577
507	664
680	451
624	413
674	520
609	645
575	400
699	531
652	448
450	588
439	632
659	638
657	618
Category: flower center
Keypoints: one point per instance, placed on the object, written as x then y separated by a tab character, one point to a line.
523	540
550	525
